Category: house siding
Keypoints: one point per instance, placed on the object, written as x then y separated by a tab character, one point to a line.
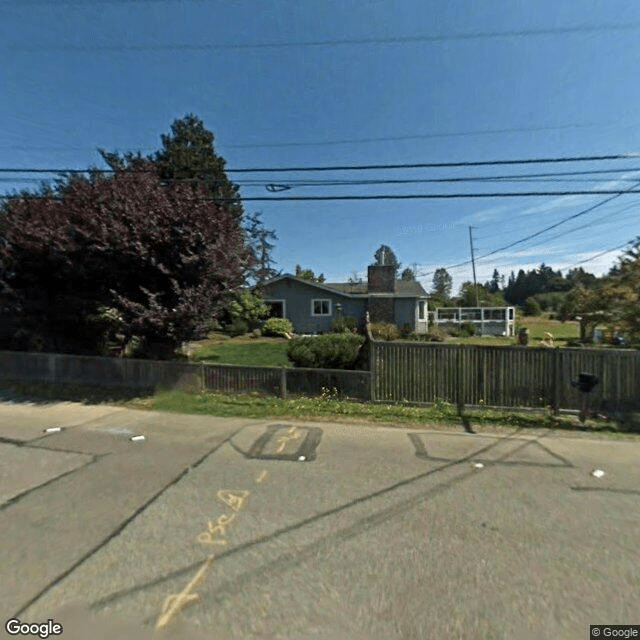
298	308
406	312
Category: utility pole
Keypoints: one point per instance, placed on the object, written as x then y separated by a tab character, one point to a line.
475	284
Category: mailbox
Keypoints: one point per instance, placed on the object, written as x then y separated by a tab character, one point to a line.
585	383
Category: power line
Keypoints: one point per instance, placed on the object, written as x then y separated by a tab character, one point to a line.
290	184
533	235
416	196
557	224
423	165
426	136
322	143
603	219
424	38
597	256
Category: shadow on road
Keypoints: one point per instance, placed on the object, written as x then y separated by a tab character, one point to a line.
38	393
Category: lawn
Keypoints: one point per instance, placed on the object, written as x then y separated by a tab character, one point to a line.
562	332
260	352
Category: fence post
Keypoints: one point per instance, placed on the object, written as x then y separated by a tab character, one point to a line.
52	368
203	386
557	382
373	372
462	387
283	382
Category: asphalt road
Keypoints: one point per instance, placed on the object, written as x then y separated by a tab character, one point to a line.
295	530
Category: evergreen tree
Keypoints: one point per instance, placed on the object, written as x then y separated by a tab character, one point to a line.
258	240
442	283
307	274
408	275
494	285
385	256
188	157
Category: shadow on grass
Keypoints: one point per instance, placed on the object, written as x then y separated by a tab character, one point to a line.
41	393
205	358
622	424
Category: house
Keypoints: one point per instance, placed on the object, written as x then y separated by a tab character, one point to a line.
311	306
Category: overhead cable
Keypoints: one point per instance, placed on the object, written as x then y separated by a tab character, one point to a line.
423	38
422	165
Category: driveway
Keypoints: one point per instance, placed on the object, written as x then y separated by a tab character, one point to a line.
236	528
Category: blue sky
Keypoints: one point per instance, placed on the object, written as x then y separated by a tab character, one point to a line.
350	82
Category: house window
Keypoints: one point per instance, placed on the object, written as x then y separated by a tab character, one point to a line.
321	307
421	310
276	308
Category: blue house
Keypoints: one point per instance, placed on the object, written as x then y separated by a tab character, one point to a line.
311	306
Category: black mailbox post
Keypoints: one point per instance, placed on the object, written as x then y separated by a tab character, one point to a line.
585	383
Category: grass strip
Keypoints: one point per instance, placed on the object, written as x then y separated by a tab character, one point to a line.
327	407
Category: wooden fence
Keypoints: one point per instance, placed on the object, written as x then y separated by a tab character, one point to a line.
149	374
502	376
400	371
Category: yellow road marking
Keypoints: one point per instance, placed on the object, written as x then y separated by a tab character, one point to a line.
293	435
177	602
223	522
262	476
234	499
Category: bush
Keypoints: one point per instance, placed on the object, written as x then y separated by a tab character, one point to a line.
468	328
277	327
245	306
435	335
212	325
406	330
236	328
343	325
531	307
331	351
384	331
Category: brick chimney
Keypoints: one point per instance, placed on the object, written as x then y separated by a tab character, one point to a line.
382	279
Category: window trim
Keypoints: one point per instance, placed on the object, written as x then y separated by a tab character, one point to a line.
320	315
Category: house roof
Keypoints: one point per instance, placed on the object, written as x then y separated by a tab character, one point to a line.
403	288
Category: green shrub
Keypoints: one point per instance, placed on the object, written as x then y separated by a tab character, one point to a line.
435	335
212	325
468	328
236	328
330	351
277	327
384	331
531	307
299	351
246	306
343	325
406	330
